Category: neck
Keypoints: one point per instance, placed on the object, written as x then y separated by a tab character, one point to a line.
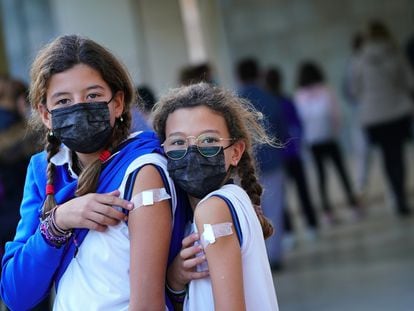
193	201
85	159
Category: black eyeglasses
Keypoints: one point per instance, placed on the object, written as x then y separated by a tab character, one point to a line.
208	144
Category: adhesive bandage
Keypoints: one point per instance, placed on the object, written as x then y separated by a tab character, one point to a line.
149	197
212	232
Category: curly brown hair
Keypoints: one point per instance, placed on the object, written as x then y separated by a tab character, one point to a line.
243	122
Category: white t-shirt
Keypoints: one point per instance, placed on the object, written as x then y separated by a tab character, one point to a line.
259	291
98	277
318	111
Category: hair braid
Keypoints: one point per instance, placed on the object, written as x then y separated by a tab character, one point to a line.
89	177
52	147
250	184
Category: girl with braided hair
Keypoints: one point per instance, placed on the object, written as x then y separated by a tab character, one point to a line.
208	135
74	232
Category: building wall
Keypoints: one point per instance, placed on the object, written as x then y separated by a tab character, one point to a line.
148	35
26	26
163	41
105	21
284	32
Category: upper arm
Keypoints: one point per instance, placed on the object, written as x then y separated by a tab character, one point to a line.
150	233
223	256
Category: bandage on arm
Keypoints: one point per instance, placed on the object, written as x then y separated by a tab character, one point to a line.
212	232
149	197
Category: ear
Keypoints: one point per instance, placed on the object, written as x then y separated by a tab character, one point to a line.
238	149
45	115
119	103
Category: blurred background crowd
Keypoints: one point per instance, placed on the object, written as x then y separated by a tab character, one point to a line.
335	83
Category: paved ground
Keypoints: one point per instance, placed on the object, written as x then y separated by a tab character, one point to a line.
357	265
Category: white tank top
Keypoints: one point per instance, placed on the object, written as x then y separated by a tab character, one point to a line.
98	277
259	290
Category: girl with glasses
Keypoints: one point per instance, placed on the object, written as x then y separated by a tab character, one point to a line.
208	136
74	233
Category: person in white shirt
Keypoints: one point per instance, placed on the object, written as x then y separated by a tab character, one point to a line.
319	111
207	135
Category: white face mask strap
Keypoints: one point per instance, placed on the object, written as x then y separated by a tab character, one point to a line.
149	197
212	232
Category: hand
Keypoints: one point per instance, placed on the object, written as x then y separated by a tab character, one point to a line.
183	268
92	211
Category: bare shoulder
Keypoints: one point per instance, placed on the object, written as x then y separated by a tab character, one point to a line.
148	177
213	210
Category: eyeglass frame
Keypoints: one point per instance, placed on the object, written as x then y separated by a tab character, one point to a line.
198	148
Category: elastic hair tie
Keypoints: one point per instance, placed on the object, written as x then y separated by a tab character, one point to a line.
50	189
104	156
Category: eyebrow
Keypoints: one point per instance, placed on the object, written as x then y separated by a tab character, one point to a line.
203	132
92	87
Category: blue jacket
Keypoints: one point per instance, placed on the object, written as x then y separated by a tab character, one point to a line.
30	265
294	128
269	158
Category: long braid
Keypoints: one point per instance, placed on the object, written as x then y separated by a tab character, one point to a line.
89	177
52	147
251	185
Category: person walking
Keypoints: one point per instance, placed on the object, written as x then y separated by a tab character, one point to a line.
383	85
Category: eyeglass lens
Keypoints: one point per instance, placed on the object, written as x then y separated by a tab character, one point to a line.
208	145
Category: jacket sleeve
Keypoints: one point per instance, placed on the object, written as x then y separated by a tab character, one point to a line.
29	263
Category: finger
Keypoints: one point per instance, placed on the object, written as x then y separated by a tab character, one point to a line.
198	275
193	262
189	240
190	252
113	200
102	218
92	225
110	212
115	193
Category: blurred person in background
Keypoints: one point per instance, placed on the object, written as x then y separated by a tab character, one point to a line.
193	74
383	84
269	158
409	51
17	145
319	111
141	112
292	152
11	180
359	139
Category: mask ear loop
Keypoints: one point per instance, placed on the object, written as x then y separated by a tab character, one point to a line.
113	95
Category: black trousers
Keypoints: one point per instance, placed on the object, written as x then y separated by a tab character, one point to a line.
390	137
322	153
295	171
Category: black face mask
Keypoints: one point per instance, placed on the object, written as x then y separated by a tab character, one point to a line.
83	127
196	174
